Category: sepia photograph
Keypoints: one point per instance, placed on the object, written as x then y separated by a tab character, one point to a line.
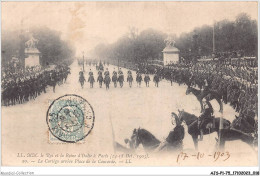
126	84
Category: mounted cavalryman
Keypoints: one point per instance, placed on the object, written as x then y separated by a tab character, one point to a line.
114	72
205	117
106	73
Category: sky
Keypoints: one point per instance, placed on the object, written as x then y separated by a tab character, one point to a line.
87	24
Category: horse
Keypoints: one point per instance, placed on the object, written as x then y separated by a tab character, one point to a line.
100	80
144	137
242	128
139	80
91	80
151	143
107	81
121	80
114	80
120	148
202	94
239	129
130	79
192	123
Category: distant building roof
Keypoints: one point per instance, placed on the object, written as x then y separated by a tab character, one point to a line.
170	49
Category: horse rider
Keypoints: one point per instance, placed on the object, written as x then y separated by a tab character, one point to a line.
81	72
90	73
114	78
129	78
106	73
175	137
139	79
99	72
120	77
156	78
205	117
120	71
100	79
114	72
138	71
53	80
81	78
107	78
91	79
129	73
147	79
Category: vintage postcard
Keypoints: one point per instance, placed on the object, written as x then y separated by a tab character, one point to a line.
129	84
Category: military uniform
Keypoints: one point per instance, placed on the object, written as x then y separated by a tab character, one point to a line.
114	73
90	73
120	72
205	117
146	80
176	137
106	73
99	72
121	78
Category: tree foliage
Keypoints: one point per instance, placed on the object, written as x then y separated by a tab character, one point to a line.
133	47
53	49
230	36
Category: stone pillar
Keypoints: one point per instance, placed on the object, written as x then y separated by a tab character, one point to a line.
32	54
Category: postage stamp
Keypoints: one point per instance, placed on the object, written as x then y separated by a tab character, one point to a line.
70	118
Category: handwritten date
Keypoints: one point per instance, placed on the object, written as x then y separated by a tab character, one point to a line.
223	156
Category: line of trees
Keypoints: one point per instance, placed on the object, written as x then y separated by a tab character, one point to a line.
53	49
238	35
133	47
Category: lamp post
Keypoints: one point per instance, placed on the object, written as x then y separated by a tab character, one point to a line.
213	37
83	62
221	130
118	63
118	60
190	57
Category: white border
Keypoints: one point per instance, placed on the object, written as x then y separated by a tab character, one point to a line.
125	170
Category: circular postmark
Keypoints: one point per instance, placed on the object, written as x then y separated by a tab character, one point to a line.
70	118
